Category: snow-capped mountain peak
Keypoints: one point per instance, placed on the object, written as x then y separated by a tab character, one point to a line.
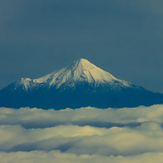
81	84
79	71
84	71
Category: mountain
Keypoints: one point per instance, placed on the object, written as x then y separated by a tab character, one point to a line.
79	85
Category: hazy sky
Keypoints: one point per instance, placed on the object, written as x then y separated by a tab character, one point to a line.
122	37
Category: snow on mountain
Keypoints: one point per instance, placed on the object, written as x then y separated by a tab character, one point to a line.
81	84
79	71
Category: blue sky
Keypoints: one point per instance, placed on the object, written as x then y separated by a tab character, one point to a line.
121	37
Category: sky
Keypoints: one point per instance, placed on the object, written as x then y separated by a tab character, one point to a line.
121	37
126	135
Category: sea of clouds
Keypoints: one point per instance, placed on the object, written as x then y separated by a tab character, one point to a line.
32	135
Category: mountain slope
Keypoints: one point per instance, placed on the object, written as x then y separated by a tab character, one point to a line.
78	72
78	85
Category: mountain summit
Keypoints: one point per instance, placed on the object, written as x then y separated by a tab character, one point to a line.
80	71
80	84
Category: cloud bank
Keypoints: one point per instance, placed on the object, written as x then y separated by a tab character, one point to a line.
38	118
82	135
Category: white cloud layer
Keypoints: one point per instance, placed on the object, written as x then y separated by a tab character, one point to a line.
82	135
57	156
33	118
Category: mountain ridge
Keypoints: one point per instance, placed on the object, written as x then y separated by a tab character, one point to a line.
79	71
80	84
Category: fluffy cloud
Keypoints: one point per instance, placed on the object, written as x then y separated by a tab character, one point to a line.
81	135
57	156
38	118
84	140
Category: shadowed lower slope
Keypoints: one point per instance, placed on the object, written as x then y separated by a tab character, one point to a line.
82	95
